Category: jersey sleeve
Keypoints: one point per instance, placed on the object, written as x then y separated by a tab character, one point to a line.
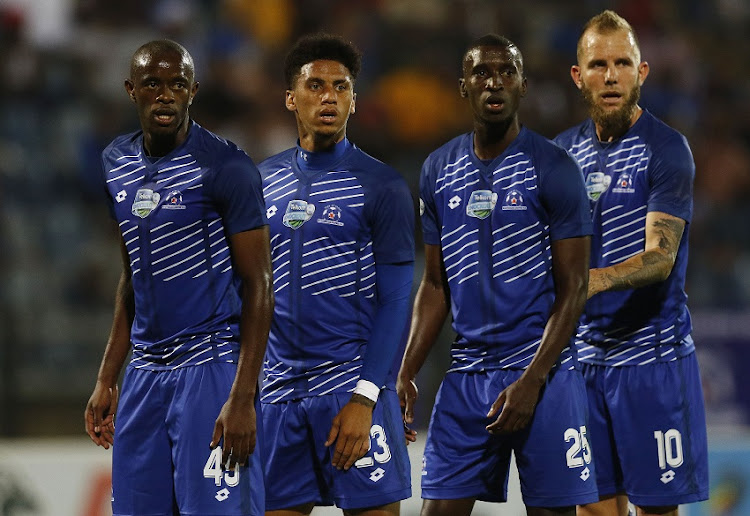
427	208
564	196
671	175
391	218
238	192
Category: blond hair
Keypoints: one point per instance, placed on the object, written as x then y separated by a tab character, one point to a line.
607	22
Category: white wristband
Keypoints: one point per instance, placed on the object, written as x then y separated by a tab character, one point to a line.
367	389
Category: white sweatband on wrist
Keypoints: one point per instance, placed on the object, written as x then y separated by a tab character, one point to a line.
367	389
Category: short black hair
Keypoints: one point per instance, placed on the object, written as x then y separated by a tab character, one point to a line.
313	47
493	40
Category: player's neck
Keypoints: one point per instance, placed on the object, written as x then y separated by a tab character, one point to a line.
161	145
318	160
491	140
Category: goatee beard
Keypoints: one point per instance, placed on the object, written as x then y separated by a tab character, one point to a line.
613	122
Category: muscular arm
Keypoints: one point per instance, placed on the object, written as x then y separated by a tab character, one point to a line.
431	307
570	259
100	410
654	264
251	259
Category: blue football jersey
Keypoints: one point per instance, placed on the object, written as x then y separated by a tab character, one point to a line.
494	223
328	230
650	168
175	214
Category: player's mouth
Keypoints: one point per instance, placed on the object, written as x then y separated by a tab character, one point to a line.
328	116
494	103
611	98
164	116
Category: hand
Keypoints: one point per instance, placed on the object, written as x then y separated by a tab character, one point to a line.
409	434
350	430
407	395
518	401
236	424
99	417
596	283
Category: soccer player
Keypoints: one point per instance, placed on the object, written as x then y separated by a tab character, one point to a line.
506	228
342	248
194	300
647	425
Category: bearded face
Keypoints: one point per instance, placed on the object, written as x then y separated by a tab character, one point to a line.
612	119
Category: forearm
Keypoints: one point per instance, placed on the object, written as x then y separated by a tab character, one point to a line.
431	308
118	343
560	327
255	323
638	271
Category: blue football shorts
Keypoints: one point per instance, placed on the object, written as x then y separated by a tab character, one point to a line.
463	460
298	464
161	457
648	431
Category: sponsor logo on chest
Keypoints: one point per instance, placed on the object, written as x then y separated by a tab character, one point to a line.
596	184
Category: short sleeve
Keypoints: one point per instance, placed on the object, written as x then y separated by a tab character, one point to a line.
238	193
427	209
391	218
671	173
564	196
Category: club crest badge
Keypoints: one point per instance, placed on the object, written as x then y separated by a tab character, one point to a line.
173	201
624	184
596	184
481	203
331	215
146	201
297	213
514	201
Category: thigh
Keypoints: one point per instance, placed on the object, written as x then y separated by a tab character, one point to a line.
461	459
660	429
600	436
294	476
383	475
553	455
142	457
201	485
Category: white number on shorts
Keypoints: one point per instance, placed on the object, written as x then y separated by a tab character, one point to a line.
212	469
580	442
669	448
382	456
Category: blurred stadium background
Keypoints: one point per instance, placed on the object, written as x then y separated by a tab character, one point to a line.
62	65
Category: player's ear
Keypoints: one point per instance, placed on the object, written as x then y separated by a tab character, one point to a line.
290	104
193	93
575	74
643	70
130	89
353	107
462	88
524	86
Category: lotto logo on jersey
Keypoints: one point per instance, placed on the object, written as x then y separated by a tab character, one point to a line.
624	184
481	203
331	215
146	200
596	184
297	213
514	201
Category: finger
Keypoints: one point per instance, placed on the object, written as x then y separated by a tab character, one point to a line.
344	451
229	451
216	437
409	412
333	432
360	452
499	402
501	423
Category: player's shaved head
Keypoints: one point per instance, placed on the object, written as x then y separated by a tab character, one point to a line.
161	48
492	41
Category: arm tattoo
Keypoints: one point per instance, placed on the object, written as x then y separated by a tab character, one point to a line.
670	232
362	400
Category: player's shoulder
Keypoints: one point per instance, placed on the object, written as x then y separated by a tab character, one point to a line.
574	135
123	145
543	152
369	168
451	149
201	140
273	164
662	137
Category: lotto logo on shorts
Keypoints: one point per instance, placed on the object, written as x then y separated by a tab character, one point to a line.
222	494
377	474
